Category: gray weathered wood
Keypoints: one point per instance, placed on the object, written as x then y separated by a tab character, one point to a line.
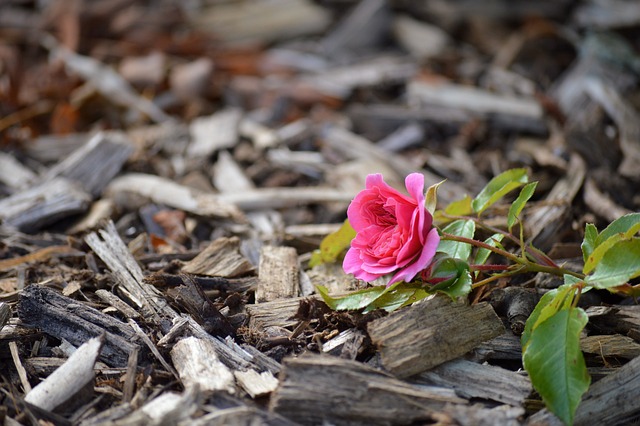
95	163
13	174
197	364
215	132
478	415
70	378
109	247
355	146
221	258
472	99
169	408
431	332
330	390
506	346
278	274
619	319
240	416
548	220
65	318
117	303
473	380
43	204
340	81
347	344
165	191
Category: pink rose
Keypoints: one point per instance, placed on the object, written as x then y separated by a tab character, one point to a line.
393	231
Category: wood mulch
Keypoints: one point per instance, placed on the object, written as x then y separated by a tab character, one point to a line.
167	167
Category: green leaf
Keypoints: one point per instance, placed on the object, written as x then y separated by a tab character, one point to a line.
550	303
431	197
378	297
483	254
402	295
498	187
460	287
519	203
599	251
460	207
333	245
628	225
356	300
455	249
555	363
451	276
619	264
589	241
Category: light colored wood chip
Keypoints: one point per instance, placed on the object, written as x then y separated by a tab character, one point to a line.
278	274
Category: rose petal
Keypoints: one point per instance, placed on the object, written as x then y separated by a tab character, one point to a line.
428	251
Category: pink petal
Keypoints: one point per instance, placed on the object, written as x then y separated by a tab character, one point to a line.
428	251
415	186
352	264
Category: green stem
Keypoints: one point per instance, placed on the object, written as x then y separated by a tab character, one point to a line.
528	265
519	242
496	277
496	250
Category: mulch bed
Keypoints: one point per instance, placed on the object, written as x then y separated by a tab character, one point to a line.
167	168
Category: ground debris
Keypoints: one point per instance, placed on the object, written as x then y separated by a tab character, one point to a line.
167	169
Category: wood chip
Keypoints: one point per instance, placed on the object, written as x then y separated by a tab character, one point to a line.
43	204
222	258
94	164
548	220
473	99
431	332
13	174
167	192
258	21
325	389
65	318
108	245
213	133
256	384
198	365
278	274
71	378
473	380
610	346
278	313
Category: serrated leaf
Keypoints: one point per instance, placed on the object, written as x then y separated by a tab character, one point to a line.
483	254
555	363
618	265
431	197
356	300
456	249
628	225
498	187
333	245
589	241
516	207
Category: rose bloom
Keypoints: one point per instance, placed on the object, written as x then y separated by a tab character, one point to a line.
393	231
